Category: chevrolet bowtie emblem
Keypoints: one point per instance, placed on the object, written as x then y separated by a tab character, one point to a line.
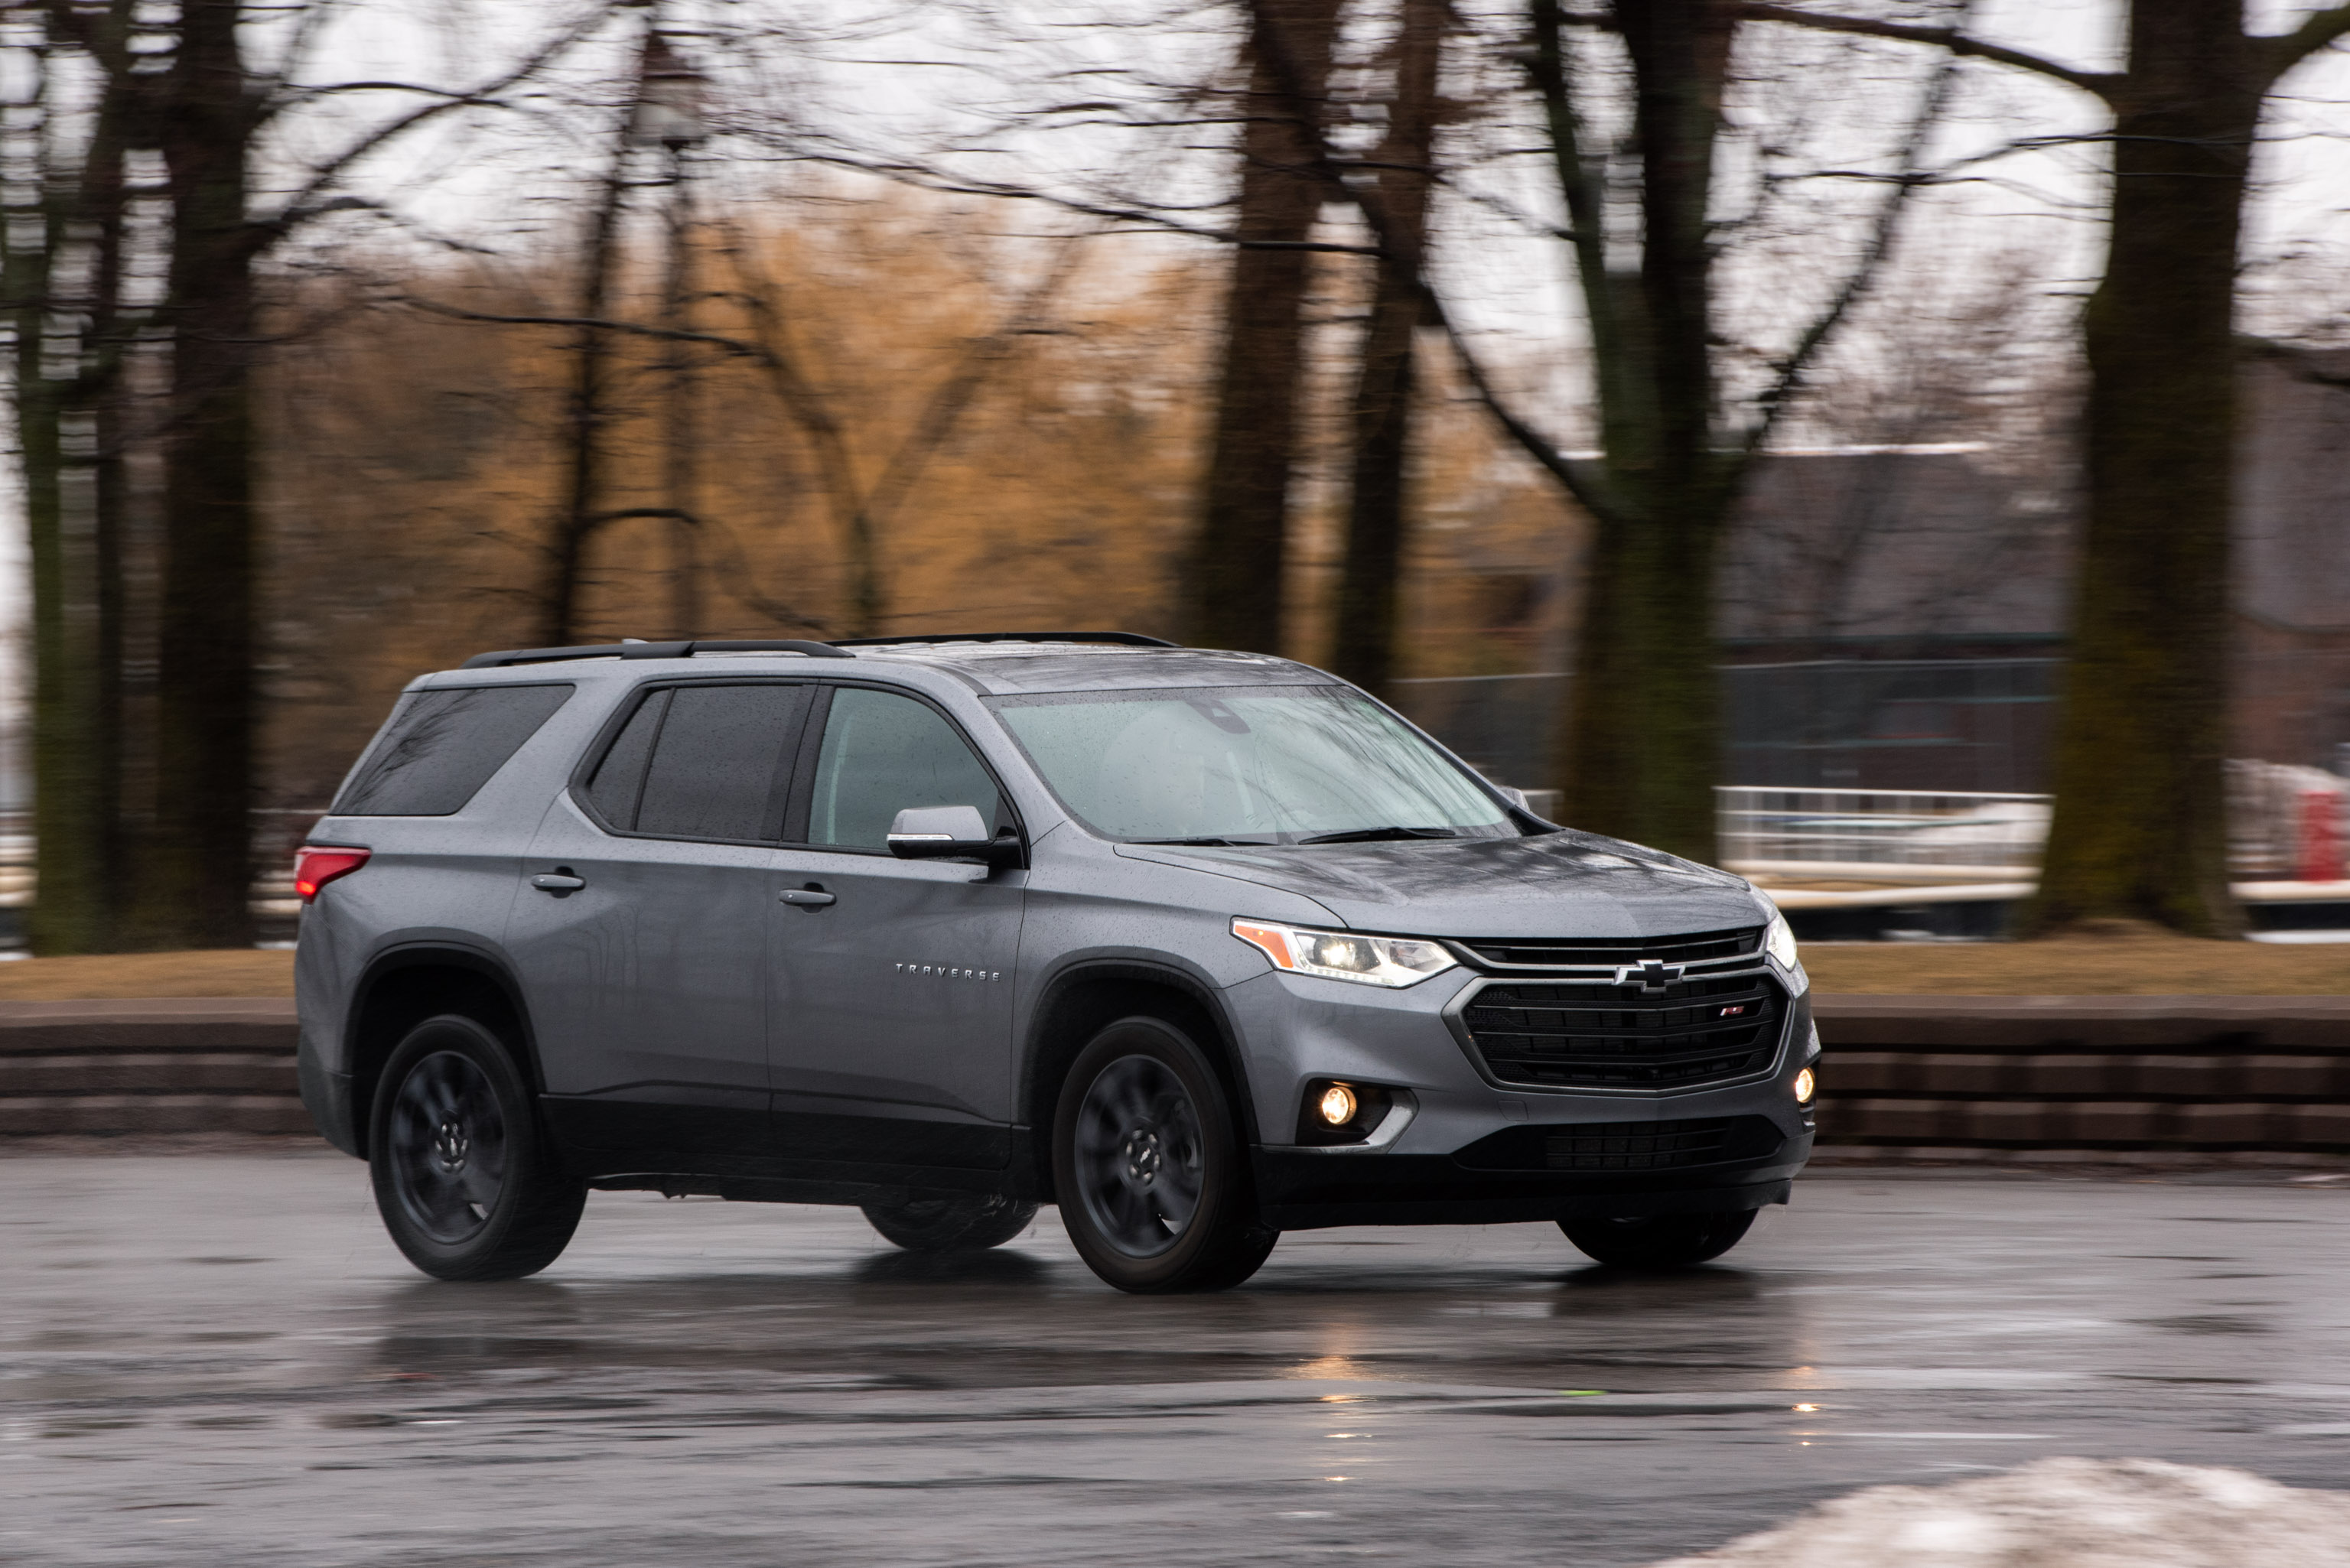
1649	974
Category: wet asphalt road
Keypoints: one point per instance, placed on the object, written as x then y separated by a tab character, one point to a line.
219	1359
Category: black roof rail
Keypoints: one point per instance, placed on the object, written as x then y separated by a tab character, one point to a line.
651	650
1123	639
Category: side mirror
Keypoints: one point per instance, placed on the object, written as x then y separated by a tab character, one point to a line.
946	833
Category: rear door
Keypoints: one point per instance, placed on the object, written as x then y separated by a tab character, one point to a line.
641	932
890	1030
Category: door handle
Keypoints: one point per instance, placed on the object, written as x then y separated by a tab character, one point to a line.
809	898
558	884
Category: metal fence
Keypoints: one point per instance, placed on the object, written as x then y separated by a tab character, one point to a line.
1829	832
1878	725
1908	725
2284	824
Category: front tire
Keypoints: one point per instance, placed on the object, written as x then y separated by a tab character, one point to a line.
953	1223
1149	1166
464	1177
1658	1241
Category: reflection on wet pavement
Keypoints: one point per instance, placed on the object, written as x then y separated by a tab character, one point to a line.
220	1360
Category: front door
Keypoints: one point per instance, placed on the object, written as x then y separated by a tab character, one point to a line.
639	931
890	1029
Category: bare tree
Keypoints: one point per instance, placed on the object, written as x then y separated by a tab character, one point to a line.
1403	179
1640	742
75	332
1234	578
2140	829
120	87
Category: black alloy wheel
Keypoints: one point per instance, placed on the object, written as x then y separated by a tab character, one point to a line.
1150	1168
952	1222
1658	1241
463	1175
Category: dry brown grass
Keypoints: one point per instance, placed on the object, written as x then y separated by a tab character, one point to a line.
2135	964
233	972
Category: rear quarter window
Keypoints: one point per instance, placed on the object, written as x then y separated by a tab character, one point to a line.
440	746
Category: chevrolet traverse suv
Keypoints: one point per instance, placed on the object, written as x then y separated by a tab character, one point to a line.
1198	946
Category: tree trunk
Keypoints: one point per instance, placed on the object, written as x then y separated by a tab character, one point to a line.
69	418
1371	580
195	889
1640	739
583	477
2140	826
70	910
1232	577
103	395
678	440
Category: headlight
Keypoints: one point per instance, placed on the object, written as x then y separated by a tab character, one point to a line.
1345	955
1779	941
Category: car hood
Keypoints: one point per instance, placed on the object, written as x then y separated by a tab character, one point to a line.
1557	885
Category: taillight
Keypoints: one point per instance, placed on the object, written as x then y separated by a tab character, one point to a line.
315	865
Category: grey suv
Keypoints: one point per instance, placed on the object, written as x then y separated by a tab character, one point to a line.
1201	947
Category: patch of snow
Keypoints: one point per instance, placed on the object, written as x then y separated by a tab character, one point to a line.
2062	1513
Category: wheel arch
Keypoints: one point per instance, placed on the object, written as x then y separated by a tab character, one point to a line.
1079	1002
405	985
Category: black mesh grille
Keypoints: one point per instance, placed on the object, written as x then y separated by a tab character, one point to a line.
1592	1034
1634	1146
1602	1147
1554	953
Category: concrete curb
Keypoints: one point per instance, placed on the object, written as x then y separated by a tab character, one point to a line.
1903	1076
172	1065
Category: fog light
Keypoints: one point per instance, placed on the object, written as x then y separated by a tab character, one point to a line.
1337	1105
1806	1086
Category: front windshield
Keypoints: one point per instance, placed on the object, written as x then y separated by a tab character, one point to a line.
1254	764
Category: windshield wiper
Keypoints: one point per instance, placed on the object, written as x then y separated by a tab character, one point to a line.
1232	843
1372	834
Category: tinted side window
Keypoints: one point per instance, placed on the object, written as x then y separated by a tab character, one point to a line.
621	777
440	747
881	754
717	761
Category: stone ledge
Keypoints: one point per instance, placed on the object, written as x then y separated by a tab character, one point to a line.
259	1024
23	1116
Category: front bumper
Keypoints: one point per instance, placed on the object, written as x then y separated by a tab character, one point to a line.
1300	1191
1478	1151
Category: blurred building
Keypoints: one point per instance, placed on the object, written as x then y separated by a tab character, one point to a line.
1894	616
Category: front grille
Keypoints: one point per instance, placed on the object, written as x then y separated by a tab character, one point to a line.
1697	947
1634	1146
1594	1035
1603	1146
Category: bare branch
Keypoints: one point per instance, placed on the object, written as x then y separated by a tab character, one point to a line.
323	177
458	313
1797	366
2316	31
954	394
2101	83
1581	479
931	180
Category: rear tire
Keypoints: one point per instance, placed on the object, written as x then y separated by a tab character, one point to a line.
954	1223
1658	1241
1150	1168
464	1176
